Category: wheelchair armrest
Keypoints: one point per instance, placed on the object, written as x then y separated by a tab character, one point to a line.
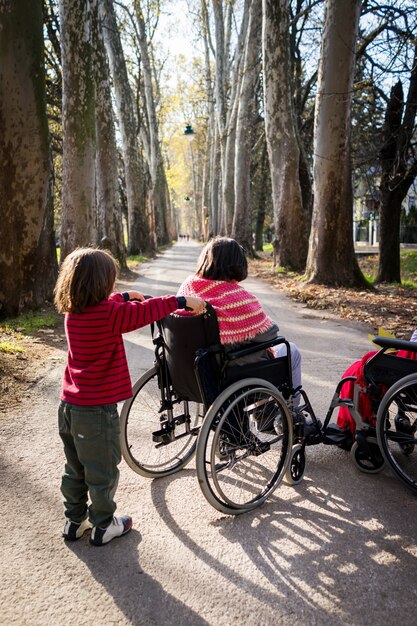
253	347
398	344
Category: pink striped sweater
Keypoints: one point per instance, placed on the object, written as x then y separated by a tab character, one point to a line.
239	313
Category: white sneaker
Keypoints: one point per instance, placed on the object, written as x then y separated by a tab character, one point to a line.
74	530
118	527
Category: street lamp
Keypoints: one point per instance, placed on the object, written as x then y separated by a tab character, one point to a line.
189	132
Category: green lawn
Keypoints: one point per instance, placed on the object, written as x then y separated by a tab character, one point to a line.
12	330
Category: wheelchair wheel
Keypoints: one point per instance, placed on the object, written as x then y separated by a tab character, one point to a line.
240	458
369	462
141	417
396	429
298	464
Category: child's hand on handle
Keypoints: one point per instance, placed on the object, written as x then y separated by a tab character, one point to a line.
136	295
196	305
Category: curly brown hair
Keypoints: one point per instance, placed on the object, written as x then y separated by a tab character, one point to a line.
86	277
223	259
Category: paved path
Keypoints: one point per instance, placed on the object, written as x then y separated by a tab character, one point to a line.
340	548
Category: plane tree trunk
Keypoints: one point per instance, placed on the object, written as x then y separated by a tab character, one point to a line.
78	226
27	242
290	244
331	256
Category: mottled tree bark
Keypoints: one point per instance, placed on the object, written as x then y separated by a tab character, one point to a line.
109	213
215	187
331	257
156	165
140	239
261	192
398	172
206	188
26	232
228	178
242	218
290	245
78	125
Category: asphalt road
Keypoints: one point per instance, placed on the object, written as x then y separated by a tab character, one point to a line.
340	548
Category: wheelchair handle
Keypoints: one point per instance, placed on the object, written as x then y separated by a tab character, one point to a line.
398	344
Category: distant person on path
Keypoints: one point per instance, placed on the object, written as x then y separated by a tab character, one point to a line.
221	267
96	378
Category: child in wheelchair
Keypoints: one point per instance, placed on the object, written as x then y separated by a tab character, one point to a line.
221	267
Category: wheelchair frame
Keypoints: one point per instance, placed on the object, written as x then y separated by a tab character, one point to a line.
244	430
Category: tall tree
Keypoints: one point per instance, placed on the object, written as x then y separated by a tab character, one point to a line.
242	219
26	234
331	257
140	238
398	172
160	196
221	24
237	73
78	123
206	200
290	246
109	212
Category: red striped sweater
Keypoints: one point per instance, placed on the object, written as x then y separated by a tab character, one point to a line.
97	371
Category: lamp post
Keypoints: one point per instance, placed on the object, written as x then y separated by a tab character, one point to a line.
189	134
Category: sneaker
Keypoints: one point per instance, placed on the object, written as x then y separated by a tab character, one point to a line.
75	530
119	526
257	446
403	425
309	427
224	451
266	415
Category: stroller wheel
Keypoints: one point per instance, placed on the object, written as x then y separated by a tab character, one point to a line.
297	467
368	457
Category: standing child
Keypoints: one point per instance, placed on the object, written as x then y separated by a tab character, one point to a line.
96	378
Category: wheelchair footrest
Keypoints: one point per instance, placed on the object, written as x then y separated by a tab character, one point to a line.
163	438
336	436
166	433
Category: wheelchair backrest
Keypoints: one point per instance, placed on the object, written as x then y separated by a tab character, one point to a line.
184	335
386	369
197	363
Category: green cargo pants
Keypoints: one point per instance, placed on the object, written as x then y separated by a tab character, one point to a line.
91	437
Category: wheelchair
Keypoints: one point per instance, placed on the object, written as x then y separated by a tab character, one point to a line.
391	382
388	437
239	420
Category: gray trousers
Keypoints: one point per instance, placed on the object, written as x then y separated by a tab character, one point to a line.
91	438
